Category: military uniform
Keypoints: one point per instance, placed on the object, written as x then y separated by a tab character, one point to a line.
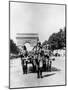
24	61
39	60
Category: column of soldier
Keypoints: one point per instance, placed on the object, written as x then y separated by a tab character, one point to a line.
37	59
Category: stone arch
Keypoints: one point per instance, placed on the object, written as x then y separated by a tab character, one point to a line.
30	38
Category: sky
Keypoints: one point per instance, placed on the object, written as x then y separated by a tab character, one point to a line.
43	19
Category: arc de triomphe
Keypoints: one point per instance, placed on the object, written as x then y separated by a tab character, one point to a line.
31	38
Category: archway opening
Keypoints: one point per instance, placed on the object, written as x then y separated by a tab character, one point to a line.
28	46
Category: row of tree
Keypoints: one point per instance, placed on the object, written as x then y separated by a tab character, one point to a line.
13	48
57	40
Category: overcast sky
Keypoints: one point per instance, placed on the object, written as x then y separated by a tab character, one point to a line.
43	19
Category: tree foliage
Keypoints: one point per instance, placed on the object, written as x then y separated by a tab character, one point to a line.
57	40
45	42
13	48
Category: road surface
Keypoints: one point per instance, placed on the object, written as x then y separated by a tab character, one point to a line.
55	77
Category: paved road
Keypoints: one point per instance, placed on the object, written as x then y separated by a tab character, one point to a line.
56	77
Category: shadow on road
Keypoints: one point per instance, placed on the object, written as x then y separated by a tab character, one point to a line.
48	75
31	70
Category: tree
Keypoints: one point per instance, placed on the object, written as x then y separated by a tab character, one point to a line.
13	48
45	42
58	40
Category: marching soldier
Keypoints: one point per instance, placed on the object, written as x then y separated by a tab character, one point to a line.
23	60
38	59
40	66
